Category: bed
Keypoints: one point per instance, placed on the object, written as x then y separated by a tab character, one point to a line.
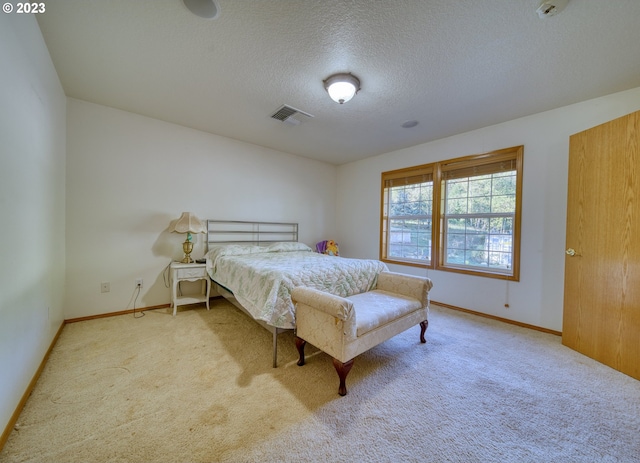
256	265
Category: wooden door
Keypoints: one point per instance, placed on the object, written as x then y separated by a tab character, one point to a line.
602	278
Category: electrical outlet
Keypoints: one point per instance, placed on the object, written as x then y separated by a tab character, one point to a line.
139	282
105	287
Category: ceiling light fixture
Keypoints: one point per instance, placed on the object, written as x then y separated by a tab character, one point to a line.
207	9
342	87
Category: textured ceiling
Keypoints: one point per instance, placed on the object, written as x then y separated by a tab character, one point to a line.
452	65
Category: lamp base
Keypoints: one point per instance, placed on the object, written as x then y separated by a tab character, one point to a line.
187	247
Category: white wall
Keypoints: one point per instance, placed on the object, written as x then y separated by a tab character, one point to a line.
538	298
32	209
129	176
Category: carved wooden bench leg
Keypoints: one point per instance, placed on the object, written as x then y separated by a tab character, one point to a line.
423	328
343	370
300	343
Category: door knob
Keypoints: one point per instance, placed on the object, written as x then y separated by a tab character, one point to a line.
571	252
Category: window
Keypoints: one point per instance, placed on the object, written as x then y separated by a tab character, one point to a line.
476	202
407	232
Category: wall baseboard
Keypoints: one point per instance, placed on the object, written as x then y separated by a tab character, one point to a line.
500	319
123	312
16	414
115	314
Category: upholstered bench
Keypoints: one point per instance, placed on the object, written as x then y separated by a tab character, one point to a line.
346	327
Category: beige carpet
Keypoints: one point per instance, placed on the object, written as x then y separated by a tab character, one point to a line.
200	388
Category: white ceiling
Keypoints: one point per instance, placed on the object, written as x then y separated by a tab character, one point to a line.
452	65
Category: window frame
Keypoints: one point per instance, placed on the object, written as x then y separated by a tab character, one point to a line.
439	171
425	170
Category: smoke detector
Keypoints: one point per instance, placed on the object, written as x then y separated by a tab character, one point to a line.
551	7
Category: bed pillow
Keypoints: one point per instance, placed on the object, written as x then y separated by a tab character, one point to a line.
288	246
220	250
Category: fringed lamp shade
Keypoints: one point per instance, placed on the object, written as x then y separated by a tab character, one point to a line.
188	223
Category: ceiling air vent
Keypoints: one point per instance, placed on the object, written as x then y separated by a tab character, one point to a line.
287	114
550	8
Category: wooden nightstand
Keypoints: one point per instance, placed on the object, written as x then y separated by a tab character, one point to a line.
189	272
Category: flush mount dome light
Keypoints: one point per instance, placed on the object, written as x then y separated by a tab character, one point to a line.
207	9
342	87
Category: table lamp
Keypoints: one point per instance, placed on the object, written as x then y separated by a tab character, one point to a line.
188	223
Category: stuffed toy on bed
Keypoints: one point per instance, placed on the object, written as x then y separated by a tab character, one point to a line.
328	247
332	248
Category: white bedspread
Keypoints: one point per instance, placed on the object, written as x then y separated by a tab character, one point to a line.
262	278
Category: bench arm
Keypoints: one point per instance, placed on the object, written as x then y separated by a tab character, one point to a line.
407	285
330	304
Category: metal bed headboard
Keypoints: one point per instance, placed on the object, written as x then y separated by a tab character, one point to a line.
243	232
